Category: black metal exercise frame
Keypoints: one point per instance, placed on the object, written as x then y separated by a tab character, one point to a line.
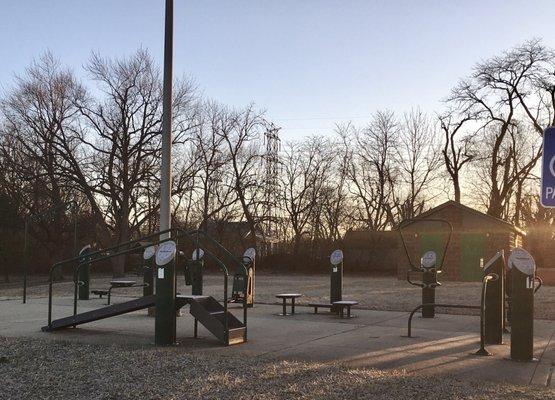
481	307
412	265
108	253
103	254
221	265
409	331
429	273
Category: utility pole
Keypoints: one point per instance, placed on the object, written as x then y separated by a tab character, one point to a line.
166	172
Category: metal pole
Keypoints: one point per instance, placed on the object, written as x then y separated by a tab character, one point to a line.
25	249
166	180
74	229
483	309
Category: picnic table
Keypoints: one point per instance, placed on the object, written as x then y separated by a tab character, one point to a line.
285	297
342	304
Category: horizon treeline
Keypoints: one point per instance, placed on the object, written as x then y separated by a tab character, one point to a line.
93	144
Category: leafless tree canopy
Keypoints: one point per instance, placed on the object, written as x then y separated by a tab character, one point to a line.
92	139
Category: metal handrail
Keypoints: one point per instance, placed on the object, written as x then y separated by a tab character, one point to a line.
105	254
93	253
76	283
213	241
489	277
482	307
540	283
409	331
411	220
193	236
226	281
90	260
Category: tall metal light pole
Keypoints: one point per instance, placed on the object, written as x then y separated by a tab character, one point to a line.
166	172
164	325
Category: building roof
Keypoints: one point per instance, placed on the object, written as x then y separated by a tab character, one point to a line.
462	207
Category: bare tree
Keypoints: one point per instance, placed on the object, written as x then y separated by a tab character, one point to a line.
213	182
36	112
419	158
497	93
370	165
241	131
456	151
305	168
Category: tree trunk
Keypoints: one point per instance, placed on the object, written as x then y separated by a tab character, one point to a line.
118	263
457	187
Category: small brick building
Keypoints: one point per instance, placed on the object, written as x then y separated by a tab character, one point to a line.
476	238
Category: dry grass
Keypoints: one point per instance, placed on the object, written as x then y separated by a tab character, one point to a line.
37	369
376	293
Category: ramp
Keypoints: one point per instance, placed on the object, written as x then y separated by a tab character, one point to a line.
101	313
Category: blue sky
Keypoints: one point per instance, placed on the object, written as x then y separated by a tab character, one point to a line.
310	63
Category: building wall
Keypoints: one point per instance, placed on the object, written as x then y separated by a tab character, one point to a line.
474	239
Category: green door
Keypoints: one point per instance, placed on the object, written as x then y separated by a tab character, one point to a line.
473	246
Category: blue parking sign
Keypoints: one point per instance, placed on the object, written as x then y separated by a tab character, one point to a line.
548	168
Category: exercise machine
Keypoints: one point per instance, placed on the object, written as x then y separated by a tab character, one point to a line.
243	285
205	309
428	267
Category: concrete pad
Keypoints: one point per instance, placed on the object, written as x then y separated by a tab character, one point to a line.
442	346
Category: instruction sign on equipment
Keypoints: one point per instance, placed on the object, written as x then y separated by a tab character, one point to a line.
548	169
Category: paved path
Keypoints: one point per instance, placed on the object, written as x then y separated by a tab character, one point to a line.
443	345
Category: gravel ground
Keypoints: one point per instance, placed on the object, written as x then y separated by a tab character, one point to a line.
37	369
376	293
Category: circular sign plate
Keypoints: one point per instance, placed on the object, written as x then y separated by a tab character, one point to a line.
165	253
336	257
250	253
522	260
85	248
429	259
197	254
149	252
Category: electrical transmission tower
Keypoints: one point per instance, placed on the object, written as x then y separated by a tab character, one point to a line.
271	182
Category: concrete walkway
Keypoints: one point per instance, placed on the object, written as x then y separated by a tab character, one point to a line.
444	345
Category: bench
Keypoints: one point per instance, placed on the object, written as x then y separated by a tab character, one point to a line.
100	292
123	284
320	305
345	304
285	297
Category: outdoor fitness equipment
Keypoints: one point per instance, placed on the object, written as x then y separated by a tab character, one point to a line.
428	266
83	278
165	323
148	270
336	278
487	279
336	283
494	307
244	284
523	270
194	270
214	315
508	294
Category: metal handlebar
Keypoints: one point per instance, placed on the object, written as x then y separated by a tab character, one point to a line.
407	222
540	283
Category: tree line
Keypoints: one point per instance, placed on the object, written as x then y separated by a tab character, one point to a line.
94	143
